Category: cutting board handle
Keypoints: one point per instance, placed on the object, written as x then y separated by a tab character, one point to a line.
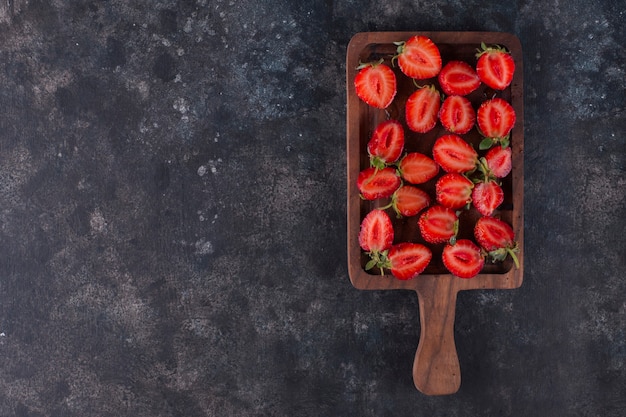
436	369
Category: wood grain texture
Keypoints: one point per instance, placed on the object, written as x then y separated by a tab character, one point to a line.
436	369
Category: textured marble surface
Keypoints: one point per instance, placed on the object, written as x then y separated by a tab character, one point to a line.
172	216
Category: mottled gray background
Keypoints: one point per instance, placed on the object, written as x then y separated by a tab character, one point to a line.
172	216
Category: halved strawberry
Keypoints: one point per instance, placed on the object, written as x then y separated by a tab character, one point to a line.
463	259
418	57
386	143
438	224
454	154
457	114
498	160
417	168
458	78
422	108
454	190
376	237
496	118
375	84
376	233
408	200
487	197
376	183
497	238
495	66
407	260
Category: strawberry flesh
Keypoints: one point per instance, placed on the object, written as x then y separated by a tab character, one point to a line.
417	168
454	190
458	78
376	233
408	260
487	197
454	154
463	259
376	85
457	114
386	144
499	161
495	67
422	108
374	183
438	224
496	118
409	200
419	58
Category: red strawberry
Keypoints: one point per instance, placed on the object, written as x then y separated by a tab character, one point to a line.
496	118
422	108
487	197
375	84
407	260
408	200
458	78
457	114
495	66
376	183
497	238
498	160
376	234
454	190
463	259
417	168
419	57
454	154
386	144
438	224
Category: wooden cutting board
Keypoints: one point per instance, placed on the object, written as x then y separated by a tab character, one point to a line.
436	369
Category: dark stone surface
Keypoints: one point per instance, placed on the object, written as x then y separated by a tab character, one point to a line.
172	216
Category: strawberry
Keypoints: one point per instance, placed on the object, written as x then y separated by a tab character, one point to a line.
438	224
408	200
407	260
457	114
495	66
376	183
487	197
417	168
497	238
375	84
454	154
454	190
418	57
386	143
498	161
463	259
422	108
458	78
496	118
376	234
376	237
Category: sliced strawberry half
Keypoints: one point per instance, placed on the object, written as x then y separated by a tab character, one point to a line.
418	57
376	233
498	160
376	183
495	66
457	114
438	224
386	144
458	78
454	154
454	190
487	197
417	168
497	238
463	258
408	200
422	108
407	260
375	84
496	118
